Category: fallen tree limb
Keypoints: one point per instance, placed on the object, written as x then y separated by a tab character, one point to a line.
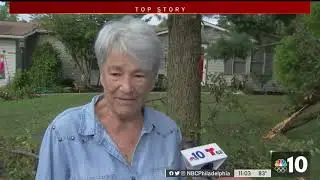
285	123
20	151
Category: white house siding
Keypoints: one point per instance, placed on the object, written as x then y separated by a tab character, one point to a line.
10	60
213	66
209	35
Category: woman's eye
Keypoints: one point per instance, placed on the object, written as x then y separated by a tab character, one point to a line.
115	74
139	75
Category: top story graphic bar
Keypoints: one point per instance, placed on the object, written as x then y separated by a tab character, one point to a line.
170	7
161	0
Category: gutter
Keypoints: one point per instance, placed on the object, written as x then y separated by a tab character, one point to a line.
11	36
24	36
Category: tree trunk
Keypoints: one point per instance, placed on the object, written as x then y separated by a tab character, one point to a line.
183	73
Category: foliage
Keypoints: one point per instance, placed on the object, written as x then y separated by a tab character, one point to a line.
242	131
261	79
44	73
17	166
162	83
258	26
297	60
21	80
237	46
46	66
67	82
312	20
223	100
223	96
4	15
19	88
78	33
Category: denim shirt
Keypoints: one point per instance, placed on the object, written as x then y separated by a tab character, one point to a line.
77	147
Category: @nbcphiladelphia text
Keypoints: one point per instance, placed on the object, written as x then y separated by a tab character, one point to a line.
197	173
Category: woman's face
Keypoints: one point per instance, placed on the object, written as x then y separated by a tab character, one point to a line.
126	86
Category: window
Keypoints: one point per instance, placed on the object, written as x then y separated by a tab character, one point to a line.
235	66
261	62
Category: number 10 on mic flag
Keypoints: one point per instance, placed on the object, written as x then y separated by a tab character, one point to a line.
197	157
290	164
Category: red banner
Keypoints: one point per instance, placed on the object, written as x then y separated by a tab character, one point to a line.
186	7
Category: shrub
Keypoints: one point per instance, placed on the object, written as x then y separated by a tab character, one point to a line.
296	62
19	88
21	80
46	65
67	82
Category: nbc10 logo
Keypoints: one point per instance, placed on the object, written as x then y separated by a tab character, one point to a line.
290	164
202	154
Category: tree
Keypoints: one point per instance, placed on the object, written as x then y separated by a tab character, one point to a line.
260	26
78	33
5	16
297	61
246	34
183	72
297	64
238	45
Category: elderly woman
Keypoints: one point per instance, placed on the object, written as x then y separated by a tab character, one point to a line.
115	136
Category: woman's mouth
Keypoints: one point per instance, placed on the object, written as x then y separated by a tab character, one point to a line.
126	100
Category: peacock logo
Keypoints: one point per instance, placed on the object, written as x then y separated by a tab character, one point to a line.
280	165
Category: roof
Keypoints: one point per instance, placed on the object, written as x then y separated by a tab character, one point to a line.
205	22
18	29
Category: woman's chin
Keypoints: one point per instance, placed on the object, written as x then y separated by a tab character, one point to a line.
124	111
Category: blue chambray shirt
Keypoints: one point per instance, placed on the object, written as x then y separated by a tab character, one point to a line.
76	147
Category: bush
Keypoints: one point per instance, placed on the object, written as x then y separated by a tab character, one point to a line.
296	62
67	82
19	88
46	65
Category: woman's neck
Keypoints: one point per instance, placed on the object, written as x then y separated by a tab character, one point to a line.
116	123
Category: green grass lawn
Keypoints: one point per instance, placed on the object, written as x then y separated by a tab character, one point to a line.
239	134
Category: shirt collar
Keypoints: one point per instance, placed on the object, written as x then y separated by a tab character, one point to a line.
90	124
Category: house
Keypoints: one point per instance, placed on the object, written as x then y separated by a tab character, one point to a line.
256	66
17	43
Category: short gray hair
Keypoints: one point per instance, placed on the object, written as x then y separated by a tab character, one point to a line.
133	37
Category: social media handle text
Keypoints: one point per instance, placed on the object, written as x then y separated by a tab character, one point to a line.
197	173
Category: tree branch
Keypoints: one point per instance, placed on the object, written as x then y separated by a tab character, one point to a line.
20	151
